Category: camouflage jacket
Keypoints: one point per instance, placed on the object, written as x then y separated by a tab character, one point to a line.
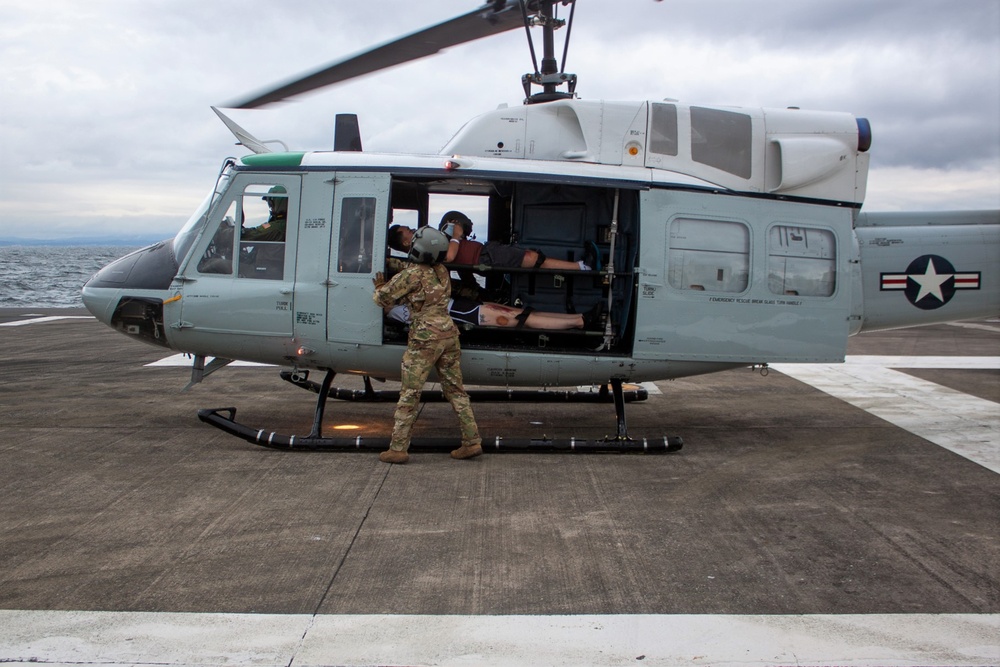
426	290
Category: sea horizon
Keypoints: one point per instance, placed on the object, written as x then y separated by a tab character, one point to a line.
52	275
138	241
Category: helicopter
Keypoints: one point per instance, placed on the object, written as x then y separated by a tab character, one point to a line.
720	237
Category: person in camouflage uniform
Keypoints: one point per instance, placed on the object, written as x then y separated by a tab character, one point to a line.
433	343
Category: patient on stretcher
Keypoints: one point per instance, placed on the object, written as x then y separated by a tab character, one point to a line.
489	314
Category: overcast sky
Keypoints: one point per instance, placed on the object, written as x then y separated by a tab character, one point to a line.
105	125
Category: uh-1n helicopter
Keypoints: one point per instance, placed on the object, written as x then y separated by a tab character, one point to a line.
727	237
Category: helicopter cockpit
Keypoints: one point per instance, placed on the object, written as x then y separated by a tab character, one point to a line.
260	214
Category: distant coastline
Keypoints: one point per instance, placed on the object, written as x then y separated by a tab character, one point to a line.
115	241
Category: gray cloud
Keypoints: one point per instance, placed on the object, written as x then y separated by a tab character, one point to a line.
105	116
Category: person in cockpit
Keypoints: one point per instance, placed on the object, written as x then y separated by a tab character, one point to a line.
274	228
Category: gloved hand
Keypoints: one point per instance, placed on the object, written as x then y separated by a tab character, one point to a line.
379	279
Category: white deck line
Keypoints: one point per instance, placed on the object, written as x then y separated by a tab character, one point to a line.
178	360
964	424
48	318
973	363
129	638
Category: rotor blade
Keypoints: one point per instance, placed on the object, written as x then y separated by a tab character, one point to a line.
490	19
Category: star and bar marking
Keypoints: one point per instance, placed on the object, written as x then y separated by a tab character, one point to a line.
930	281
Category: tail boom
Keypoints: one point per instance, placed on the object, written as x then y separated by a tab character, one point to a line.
928	268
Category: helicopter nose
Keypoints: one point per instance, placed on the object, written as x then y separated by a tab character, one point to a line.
143	275
100	301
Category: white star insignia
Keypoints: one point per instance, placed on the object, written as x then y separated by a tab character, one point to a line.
930	282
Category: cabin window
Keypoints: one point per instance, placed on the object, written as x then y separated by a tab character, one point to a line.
663	129
264	218
708	255
721	139
801	261
357	235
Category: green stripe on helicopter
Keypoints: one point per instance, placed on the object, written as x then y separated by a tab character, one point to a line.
273	160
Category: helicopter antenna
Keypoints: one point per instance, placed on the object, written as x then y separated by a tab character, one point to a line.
246	139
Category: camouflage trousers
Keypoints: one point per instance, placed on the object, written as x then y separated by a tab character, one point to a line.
418	360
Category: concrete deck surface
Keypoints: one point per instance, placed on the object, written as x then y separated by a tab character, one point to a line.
785	503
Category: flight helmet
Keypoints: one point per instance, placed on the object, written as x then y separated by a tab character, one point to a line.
458	218
276	192
428	246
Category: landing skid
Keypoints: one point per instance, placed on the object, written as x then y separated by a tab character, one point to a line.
225	419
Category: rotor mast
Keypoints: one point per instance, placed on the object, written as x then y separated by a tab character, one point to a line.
550	76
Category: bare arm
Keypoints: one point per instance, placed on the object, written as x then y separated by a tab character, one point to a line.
457	234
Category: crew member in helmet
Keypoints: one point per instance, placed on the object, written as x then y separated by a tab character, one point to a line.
461	250
425	287
274	228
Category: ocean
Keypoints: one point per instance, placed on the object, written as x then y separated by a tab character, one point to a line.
50	276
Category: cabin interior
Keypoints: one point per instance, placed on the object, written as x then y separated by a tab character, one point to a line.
555	219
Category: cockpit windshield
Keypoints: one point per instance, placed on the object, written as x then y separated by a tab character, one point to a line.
189	232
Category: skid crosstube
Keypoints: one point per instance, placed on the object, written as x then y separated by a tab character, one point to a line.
302	381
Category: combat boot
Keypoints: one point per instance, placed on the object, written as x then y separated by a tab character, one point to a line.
467	451
393	456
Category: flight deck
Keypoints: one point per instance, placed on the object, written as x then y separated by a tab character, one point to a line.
844	514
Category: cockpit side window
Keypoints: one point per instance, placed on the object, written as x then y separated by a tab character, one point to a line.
264	221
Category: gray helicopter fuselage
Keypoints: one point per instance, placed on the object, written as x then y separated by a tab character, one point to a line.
727	238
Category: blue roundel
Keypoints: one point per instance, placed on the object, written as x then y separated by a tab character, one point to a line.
930	282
